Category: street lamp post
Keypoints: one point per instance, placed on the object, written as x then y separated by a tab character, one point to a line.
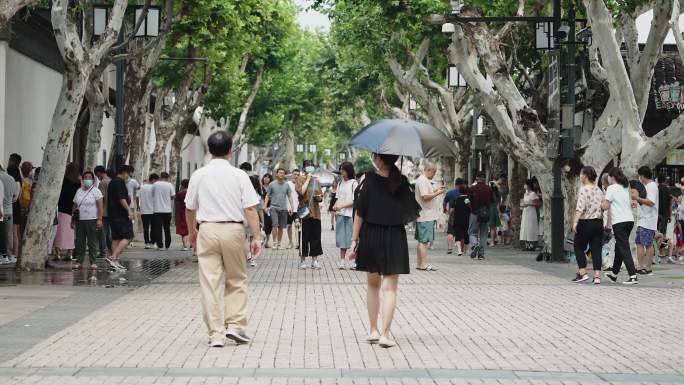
148	28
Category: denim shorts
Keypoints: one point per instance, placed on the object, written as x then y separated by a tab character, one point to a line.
343	232
644	237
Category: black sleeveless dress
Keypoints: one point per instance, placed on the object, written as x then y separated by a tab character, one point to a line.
383	246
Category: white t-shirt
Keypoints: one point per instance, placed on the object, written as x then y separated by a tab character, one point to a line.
220	192
162	192
620	204
146	199
429	208
345	195
132	186
648	216
86	201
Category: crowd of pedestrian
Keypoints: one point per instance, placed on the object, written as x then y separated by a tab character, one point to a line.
650	213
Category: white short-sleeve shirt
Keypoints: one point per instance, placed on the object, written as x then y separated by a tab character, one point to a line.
428	212
162	192
220	192
648	216
86	201
620	204
146	198
345	194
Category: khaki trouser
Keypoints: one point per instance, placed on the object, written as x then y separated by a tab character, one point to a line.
223	276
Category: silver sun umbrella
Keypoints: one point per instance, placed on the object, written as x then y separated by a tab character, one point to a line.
404	137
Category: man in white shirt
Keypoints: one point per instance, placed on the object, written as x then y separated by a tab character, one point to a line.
648	221
220	198
425	226
162	198
146	202
133	186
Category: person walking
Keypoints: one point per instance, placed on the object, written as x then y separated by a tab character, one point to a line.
14	171
343	208
332	194
87	219
310	197
10	190
120	216
162	198
266	180
588	225
425	195
105	234
618	204
64	241
146	202
220	198
179	206
459	218
447	207
385	205
277	196
481	199
292	218
529	224
648	221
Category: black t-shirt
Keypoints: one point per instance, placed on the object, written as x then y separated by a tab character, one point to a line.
66	197
460	215
116	191
377	205
664	200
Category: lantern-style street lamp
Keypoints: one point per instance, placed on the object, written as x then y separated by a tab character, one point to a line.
454	78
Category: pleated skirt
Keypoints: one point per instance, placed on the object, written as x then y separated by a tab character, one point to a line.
383	250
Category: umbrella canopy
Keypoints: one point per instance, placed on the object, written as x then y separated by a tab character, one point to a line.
404	137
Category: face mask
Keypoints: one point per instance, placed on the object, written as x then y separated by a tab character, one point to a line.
88	182
309	169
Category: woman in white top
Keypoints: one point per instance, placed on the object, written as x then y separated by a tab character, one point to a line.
343	209
529	226
87	219
618	204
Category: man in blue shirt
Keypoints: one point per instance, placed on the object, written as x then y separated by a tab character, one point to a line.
447	205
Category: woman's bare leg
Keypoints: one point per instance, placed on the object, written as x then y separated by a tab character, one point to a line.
373	299
389	302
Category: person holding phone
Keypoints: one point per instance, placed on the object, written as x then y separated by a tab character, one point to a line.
425	227
310	196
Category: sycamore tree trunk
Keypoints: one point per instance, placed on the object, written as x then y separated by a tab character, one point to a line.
287	159
242	122
9	8
79	63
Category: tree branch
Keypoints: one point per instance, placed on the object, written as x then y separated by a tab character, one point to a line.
8	8
508	26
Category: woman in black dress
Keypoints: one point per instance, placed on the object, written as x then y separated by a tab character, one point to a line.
384	206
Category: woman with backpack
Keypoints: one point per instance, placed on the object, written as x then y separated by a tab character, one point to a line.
87	220
384	206
343	207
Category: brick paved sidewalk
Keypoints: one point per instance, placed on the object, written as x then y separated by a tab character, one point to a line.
495	321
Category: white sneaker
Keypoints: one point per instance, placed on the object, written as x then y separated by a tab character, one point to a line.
217	342
147	246
343	265
185	249
315	265
290	246
352	266
13	259
303	265
251	262
4	260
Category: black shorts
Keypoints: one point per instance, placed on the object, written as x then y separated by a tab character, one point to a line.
121	228
459	232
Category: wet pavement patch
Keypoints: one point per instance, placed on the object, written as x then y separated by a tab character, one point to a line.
140	272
